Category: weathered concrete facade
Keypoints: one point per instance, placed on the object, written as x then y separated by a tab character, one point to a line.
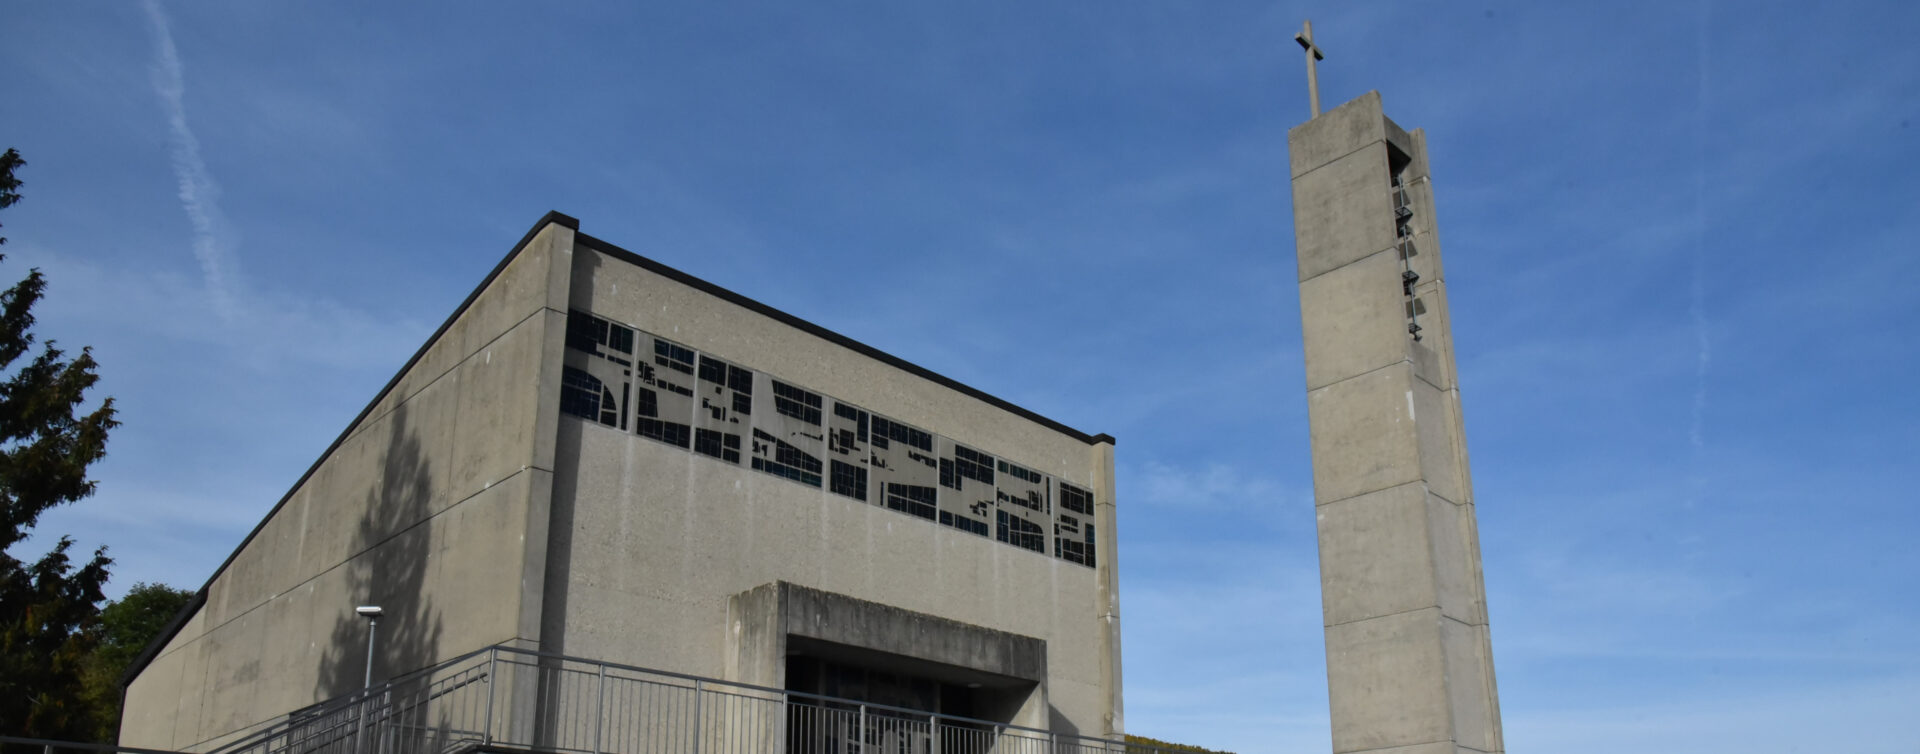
1409	659
477	507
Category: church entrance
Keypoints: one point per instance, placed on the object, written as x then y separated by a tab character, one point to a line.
845	694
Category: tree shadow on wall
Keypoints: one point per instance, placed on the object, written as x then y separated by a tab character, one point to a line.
392	545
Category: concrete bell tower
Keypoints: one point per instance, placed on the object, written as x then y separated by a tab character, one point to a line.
1409	661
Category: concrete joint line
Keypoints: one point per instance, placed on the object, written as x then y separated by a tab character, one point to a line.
1356	150
1388	365
1423	378
1404	746
1369	492
1435	608
464	358
503	333
1443	614
1361	258
349	559
1443	498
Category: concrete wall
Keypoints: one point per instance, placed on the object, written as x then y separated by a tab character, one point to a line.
434	505
651	541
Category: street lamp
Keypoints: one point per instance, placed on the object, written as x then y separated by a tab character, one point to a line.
372	614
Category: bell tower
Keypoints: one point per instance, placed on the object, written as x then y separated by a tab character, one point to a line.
1409	659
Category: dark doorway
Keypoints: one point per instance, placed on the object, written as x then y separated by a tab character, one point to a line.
900	695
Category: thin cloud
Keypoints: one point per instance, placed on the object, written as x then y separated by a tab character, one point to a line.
1856	716
1697	307
1214	486
199	194
278	327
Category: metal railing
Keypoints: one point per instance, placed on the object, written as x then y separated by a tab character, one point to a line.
26	745
501	698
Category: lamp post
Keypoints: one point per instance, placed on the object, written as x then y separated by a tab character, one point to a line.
372	614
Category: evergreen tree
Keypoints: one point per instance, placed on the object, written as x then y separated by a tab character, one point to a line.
48	608
127	625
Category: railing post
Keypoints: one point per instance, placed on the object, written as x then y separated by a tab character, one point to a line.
393	721
862	731
600	709
699	699
933	734
493	680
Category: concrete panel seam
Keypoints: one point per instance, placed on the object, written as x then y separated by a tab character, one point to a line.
1350	378
503	333
349	558
1445	499
1356	150
1361	258
464	358
1435	606
1369	492
162	655
1454	391
1461	622
1403	746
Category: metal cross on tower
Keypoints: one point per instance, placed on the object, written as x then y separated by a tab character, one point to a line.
1305	38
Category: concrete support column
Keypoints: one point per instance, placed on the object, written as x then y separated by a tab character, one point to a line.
1409	663
1107	560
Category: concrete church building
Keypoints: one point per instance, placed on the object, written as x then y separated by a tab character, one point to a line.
609	507
600	457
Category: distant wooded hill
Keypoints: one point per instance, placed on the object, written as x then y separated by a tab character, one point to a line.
1144	741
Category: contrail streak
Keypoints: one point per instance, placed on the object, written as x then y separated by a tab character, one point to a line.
199	194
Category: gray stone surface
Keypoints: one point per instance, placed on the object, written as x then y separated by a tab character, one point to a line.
854	622
1380	682
1361	326
1376	555
1364	436
1336	133
1469	685
1409	658
1343	211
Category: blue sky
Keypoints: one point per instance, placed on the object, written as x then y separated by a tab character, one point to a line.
1680	238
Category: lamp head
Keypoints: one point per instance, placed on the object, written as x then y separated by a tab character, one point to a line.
368	611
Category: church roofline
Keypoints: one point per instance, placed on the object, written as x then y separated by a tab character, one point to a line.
832	337
199	599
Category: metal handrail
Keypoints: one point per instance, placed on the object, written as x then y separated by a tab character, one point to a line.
545	705
50	745
785	693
